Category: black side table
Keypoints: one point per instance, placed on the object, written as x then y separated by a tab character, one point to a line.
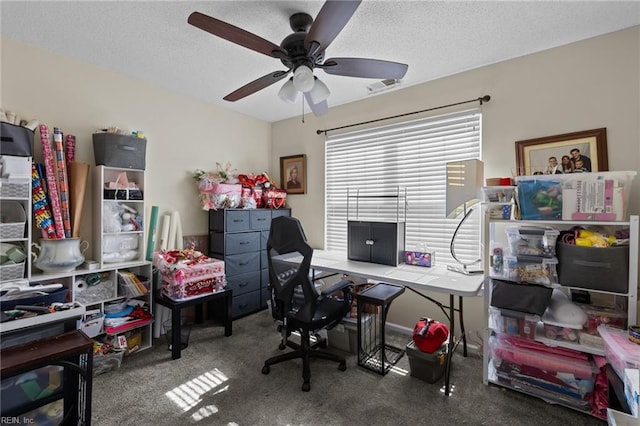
373	306
176	317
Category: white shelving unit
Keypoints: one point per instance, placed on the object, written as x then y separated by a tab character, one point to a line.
115	243
83	284
96	288
494	232
15	194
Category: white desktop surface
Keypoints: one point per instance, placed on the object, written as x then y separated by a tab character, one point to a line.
436	278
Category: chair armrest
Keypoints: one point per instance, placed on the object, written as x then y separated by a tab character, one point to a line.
340	285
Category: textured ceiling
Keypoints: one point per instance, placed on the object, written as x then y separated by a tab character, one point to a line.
152	41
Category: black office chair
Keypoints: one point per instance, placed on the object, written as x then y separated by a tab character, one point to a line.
294	299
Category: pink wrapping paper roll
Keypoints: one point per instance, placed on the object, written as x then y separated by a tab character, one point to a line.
70	149
62	181
54	198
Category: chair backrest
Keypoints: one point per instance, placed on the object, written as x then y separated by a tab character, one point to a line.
289	258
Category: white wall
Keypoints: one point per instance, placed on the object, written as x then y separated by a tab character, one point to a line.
590	84
183	134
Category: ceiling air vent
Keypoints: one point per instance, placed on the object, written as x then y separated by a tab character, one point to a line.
381	85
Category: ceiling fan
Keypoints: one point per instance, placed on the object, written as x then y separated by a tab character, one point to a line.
302	52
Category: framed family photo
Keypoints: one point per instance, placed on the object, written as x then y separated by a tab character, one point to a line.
293	174
576	152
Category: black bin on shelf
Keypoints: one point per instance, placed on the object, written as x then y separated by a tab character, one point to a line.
373	305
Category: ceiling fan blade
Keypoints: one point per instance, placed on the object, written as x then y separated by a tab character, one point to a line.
331	19
235	35
318	109
256	85
365	68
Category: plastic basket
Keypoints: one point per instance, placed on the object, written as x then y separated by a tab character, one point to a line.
12	220
103	363
14	271
15	188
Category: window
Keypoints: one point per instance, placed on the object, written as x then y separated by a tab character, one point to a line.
411	157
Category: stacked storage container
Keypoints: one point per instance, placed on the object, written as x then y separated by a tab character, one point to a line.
523	275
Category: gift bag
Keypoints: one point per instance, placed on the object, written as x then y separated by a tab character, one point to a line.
275	198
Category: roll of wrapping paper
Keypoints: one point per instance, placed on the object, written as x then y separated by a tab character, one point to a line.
70	151
151	241
41	211
43	181
78	178
164	233
173	223
54	198
62	181
179	236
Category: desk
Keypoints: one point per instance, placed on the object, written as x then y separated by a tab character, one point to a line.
176	319
416	278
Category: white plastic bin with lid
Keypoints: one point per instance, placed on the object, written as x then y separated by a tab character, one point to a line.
498	194
12	220
513	322
530	269
620	352
564	332
532	240
600	196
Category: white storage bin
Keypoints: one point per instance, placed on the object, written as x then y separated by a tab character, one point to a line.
498	194
532	240
12	220
601	196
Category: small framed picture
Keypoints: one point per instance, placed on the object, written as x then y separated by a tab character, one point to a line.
293	174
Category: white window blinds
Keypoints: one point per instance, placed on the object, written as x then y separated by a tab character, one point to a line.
409	158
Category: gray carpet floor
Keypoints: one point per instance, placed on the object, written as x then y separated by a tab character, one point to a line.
218	381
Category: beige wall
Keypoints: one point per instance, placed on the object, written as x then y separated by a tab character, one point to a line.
183	134
591	84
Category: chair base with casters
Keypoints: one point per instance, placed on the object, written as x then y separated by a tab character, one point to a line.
321	320
305	352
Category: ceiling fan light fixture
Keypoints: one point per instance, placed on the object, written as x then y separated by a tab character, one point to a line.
303	79
319	92
288	92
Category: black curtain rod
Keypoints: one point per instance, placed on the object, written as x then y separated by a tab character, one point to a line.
482	100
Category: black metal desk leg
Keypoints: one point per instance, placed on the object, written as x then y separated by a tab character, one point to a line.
452	327
176	334
464	333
